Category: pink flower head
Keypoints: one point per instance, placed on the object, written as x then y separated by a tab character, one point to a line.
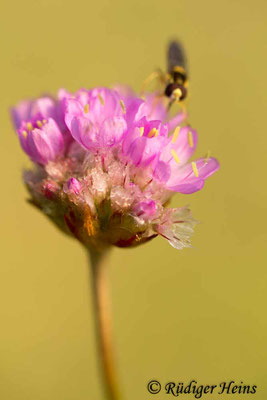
112	183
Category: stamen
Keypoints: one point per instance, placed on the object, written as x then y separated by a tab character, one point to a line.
175	156
141	130
44	121
29	126
175	134
86	108
39	124
153	132
25	134
123	106
195	170
190	139
101	99
207	157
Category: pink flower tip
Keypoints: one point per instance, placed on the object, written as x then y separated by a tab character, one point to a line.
73	186
145	209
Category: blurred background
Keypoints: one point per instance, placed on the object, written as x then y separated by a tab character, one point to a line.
196	314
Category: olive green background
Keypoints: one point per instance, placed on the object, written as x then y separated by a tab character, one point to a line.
197	314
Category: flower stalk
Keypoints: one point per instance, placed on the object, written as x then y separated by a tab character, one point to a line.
103	322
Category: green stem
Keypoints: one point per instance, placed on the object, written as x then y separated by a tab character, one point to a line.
103	323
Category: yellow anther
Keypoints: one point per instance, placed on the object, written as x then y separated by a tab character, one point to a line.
123	106
153	132
25	134
39	124
195	170
29	126
175	134
44	121
190	139
207	157
101	99
141	130
86	108
175	156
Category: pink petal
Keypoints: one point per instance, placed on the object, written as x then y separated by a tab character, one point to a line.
153	108
144	150
130	137
21	113
162	171
44	106
73	186
104	103
112	131
72	108
145	209
177	120
39	146
184	146
188	188
63	94
132	106
54	135
84	132
136	150
184	180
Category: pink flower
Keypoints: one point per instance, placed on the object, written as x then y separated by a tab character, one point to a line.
43	108
95	118
173	168
148	144
144	141
41	140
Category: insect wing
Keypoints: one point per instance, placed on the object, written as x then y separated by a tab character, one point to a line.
176	56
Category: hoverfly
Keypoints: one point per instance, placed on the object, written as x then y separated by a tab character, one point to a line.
175	80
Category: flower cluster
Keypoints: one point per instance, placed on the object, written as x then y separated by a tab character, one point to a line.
107	163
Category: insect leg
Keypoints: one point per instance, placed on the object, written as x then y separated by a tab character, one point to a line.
158	74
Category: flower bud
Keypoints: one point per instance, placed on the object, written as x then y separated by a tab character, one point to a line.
73	186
